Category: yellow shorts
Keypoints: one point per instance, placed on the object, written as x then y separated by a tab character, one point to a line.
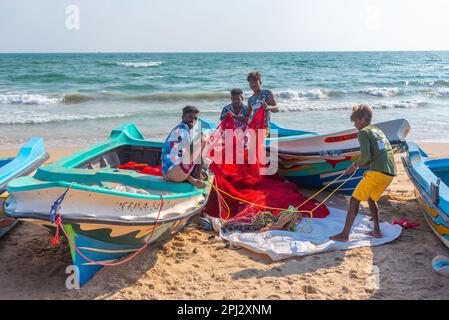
372	186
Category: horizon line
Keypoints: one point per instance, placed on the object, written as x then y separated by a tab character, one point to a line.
174	52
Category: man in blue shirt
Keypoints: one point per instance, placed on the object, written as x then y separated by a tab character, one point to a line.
237	109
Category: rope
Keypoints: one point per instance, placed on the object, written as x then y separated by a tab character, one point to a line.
59	225
288	209
57	204
303	229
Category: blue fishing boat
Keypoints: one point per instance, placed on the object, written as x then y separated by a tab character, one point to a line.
314	160
31	155
106	213
431	180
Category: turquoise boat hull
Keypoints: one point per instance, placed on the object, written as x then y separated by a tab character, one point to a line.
108	243
107	213
30	156
431	180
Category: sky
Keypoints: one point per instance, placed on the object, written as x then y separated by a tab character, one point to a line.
222	26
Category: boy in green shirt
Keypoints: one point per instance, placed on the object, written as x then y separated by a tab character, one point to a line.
377	155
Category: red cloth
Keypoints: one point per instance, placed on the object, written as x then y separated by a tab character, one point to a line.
244	181
142	168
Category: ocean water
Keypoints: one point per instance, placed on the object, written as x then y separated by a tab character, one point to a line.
77	99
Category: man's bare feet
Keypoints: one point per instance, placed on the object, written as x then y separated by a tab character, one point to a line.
199	184
375	234
340	238
196	182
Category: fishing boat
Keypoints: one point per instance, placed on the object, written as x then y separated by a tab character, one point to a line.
314	160
30	156
431	180
106	213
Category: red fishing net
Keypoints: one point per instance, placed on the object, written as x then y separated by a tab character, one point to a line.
239	181
142	168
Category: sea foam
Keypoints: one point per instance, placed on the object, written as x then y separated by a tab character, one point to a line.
312	94
43	118
381	92
140	64
26	98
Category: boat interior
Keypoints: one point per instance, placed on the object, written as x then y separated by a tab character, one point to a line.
113	158
4	162
124	154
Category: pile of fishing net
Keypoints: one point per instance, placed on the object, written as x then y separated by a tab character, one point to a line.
142	168
241	192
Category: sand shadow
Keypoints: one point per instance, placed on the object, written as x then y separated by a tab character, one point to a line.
295	265
291	266
35	268
409	275
402	268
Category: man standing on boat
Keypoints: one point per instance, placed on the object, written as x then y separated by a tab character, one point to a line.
181	153
261	98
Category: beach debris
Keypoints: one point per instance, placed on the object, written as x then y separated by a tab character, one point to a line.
286	220
232	246
441	265
213	239
265	221
206	224
405	224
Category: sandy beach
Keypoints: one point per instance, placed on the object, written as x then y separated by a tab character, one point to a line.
194	265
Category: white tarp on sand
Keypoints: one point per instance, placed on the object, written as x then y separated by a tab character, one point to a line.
283	244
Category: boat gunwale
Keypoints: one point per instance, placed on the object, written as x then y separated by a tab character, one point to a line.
398	140
422	191
322	154
118	137
65	162
25	171
96	220
111	192
126	134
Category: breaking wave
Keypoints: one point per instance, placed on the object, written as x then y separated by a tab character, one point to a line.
444	92
27	98
298	107
313	94
428	83
381	92
175	97
49	118
140	64
404	104
288	96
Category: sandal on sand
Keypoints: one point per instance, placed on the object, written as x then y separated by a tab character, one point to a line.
404	223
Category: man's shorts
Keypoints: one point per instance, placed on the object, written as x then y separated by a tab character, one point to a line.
372	185
179	173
